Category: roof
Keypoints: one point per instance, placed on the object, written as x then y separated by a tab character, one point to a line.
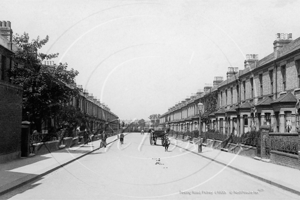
290	47
212	114
206	114
286	49
246	105
220	111
286	98
230	110
265	102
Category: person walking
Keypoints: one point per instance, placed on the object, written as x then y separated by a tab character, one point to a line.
122	137
167	142
103	140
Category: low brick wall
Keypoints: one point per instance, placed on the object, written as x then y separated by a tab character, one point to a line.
233	148
286	159
283	142
96	137
217	144
248	151
209	143
80	140
243	150
68	142
43	148
284	149
75	141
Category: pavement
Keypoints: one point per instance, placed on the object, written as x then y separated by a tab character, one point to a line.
277	175
19	172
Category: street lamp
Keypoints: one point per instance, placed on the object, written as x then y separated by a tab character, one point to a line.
200	107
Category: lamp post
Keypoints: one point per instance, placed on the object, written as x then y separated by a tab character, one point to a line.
200	106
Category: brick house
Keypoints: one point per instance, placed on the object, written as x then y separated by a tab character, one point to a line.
11	99
264	92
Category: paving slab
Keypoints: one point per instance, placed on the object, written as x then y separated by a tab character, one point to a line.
281	176
21	171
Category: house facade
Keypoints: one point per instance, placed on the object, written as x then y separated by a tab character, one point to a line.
10	99
265	92
11	138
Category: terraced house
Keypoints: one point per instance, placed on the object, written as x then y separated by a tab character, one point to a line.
265	92
10	98
14	141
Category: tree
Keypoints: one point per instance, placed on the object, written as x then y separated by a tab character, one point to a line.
210	101
45	88
141	123
69	118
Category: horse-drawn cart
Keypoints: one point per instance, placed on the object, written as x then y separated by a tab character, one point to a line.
157	134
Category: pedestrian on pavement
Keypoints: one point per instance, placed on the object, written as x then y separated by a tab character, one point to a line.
103	139
166	142
122	137
86	137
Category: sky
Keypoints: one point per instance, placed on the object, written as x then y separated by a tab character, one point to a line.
141	57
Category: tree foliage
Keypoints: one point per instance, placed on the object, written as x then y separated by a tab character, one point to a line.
69	118
210	101
45	88
142	123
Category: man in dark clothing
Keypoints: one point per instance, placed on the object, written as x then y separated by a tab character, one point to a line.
103	140
122	135
121	138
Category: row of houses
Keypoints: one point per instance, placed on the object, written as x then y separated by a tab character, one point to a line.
96	112
265	92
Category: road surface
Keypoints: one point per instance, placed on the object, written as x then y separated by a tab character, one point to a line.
137	170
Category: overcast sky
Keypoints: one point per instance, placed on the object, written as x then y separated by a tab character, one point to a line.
142	57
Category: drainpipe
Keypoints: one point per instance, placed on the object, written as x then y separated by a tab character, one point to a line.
275	79
238	110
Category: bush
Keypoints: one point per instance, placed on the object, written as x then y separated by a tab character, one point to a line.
195	133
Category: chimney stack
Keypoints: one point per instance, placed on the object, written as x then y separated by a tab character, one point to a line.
6	31
281	40
207	89
85	92
232	71
217	80
250	59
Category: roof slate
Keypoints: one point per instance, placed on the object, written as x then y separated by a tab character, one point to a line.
233	109
246	105
265	102
287	98
220	111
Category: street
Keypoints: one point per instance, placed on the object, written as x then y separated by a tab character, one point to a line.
137	170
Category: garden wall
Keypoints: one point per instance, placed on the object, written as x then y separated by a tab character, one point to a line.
10	121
